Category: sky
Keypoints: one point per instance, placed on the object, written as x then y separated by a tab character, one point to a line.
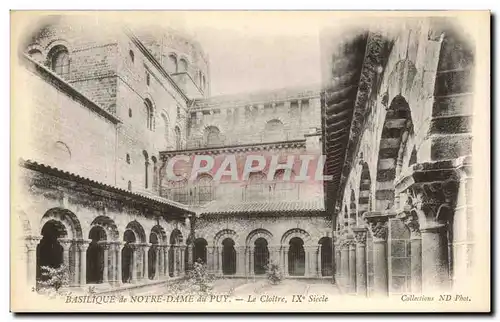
252	51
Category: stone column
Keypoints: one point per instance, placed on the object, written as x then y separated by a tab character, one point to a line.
119	249
378	225
337	247
251	260
190	256
113	246
31	245
344	263
175	259
308	268
285	260
210	259
183	260
146	261
352	264
156	276
360	235
82	247
166	261
411	221
434	258
104	245
240	267
66	245
318	261
135	249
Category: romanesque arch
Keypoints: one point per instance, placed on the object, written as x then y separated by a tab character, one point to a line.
59	229
102	230
260	241
200	250
326	255
175	256
132	253
396	129
296	240
157	239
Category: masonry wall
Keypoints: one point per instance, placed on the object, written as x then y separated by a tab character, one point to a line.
59	131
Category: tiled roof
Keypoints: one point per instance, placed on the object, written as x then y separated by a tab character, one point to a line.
30	164
220	207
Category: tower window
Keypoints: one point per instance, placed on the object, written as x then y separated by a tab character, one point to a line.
147	78
59	60
128	158
129	112
131	55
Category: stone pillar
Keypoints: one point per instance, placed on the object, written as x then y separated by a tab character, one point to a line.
119	249
104	245
145	273
378	225
337	248
183	260
360	235
31	245
344	263
166	261
411	221
174	259
251	260
318	261
157	262
285	260
113	247
434	258
135	249
308	268
66	245
210	259
352	264
82	247
190	256
240	260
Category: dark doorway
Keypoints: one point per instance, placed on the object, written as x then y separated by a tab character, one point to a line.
127	256
326	256
228	257
95	256
153	239
261	256
200	250
49	251
296	257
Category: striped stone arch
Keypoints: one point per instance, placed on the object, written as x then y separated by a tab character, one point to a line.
352	208
396	129
223	234
136	228
108	225
71	227
365	186
160	234
296	232
259	233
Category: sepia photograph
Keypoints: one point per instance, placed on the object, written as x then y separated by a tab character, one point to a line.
250	161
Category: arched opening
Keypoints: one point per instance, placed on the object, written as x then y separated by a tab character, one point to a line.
205	189
127	256
228	257
174	256
283	187
364	198
152	255
326	256
171	63
212	136
296	257
200	250
398	127
261	256
183	65
146	166
49	250
255	188
274	131
95	255
59	61
178	142
149	114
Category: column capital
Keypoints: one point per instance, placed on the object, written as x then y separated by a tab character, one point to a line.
32	242
104	244
65	243
410	219
377	224
83	244
210	249
360	235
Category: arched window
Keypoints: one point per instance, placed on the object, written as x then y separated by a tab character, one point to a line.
205	189
183	65
128	158
146	166
255	189
129	185
36	55
149	114
212	136
171	63
59	61
283	189
273	131
178	143
165	127
131	55
62	152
